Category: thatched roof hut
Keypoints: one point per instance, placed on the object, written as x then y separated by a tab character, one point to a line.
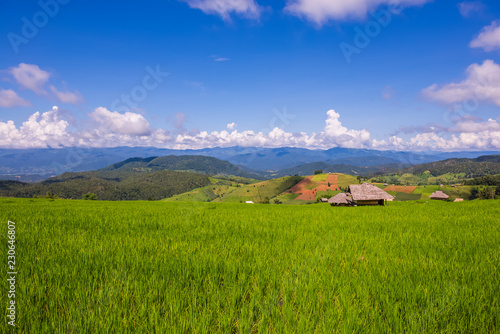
340	199
439	195
368	194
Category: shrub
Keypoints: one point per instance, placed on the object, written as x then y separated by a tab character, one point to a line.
90	197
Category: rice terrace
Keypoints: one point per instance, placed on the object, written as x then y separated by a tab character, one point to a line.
220	267
250	166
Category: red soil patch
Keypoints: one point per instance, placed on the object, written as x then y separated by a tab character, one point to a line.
401	189
310	194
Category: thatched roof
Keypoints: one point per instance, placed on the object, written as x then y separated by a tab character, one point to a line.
341	198
439	195
368	192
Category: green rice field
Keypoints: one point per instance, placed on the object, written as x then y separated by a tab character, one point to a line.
174	267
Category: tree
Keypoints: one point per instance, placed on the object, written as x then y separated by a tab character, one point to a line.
318	171
90	197
486	193
49	195
277	201
474	193
266	200
497	191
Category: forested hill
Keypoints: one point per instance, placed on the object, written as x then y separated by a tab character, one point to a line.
109	185
132	179
191	163
483	165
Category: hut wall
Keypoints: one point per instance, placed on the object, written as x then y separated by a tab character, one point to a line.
370	202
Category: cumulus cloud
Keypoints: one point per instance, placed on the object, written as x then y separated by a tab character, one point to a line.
489	38
128	123
224	8
30	77
111	129
467	8
321	11
231	126
10	99
482	83
40	130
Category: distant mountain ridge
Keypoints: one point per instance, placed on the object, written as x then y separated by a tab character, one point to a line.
57	161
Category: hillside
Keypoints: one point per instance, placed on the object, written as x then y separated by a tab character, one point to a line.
136	179
483	165
310	168
191	163
109	185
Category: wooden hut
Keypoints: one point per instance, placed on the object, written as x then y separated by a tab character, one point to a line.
368	194
439	195
341	199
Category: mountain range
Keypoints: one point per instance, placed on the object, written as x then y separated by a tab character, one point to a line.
42	163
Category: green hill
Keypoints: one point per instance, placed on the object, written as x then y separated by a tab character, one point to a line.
109	185
191	163
483	165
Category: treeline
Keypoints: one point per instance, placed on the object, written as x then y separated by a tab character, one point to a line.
111	185
484	165
489	180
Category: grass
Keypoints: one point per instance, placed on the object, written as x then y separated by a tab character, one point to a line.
346	180
400	196
320	177
150	267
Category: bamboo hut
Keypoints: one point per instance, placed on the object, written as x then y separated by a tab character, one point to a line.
439	195
368	194
341	199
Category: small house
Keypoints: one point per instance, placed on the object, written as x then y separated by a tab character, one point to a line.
368	194
439	195
458	200
249	202
341	199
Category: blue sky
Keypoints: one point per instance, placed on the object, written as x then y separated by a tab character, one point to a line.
416	75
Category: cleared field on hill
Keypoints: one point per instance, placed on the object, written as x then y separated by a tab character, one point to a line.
98	267
401	189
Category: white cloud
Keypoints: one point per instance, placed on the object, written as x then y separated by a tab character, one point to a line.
224	8
111	129
10	99
66	97
231	126
467	8
471	126
128	123
221	59
489	38
30	77
321	11
41	130
481	84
